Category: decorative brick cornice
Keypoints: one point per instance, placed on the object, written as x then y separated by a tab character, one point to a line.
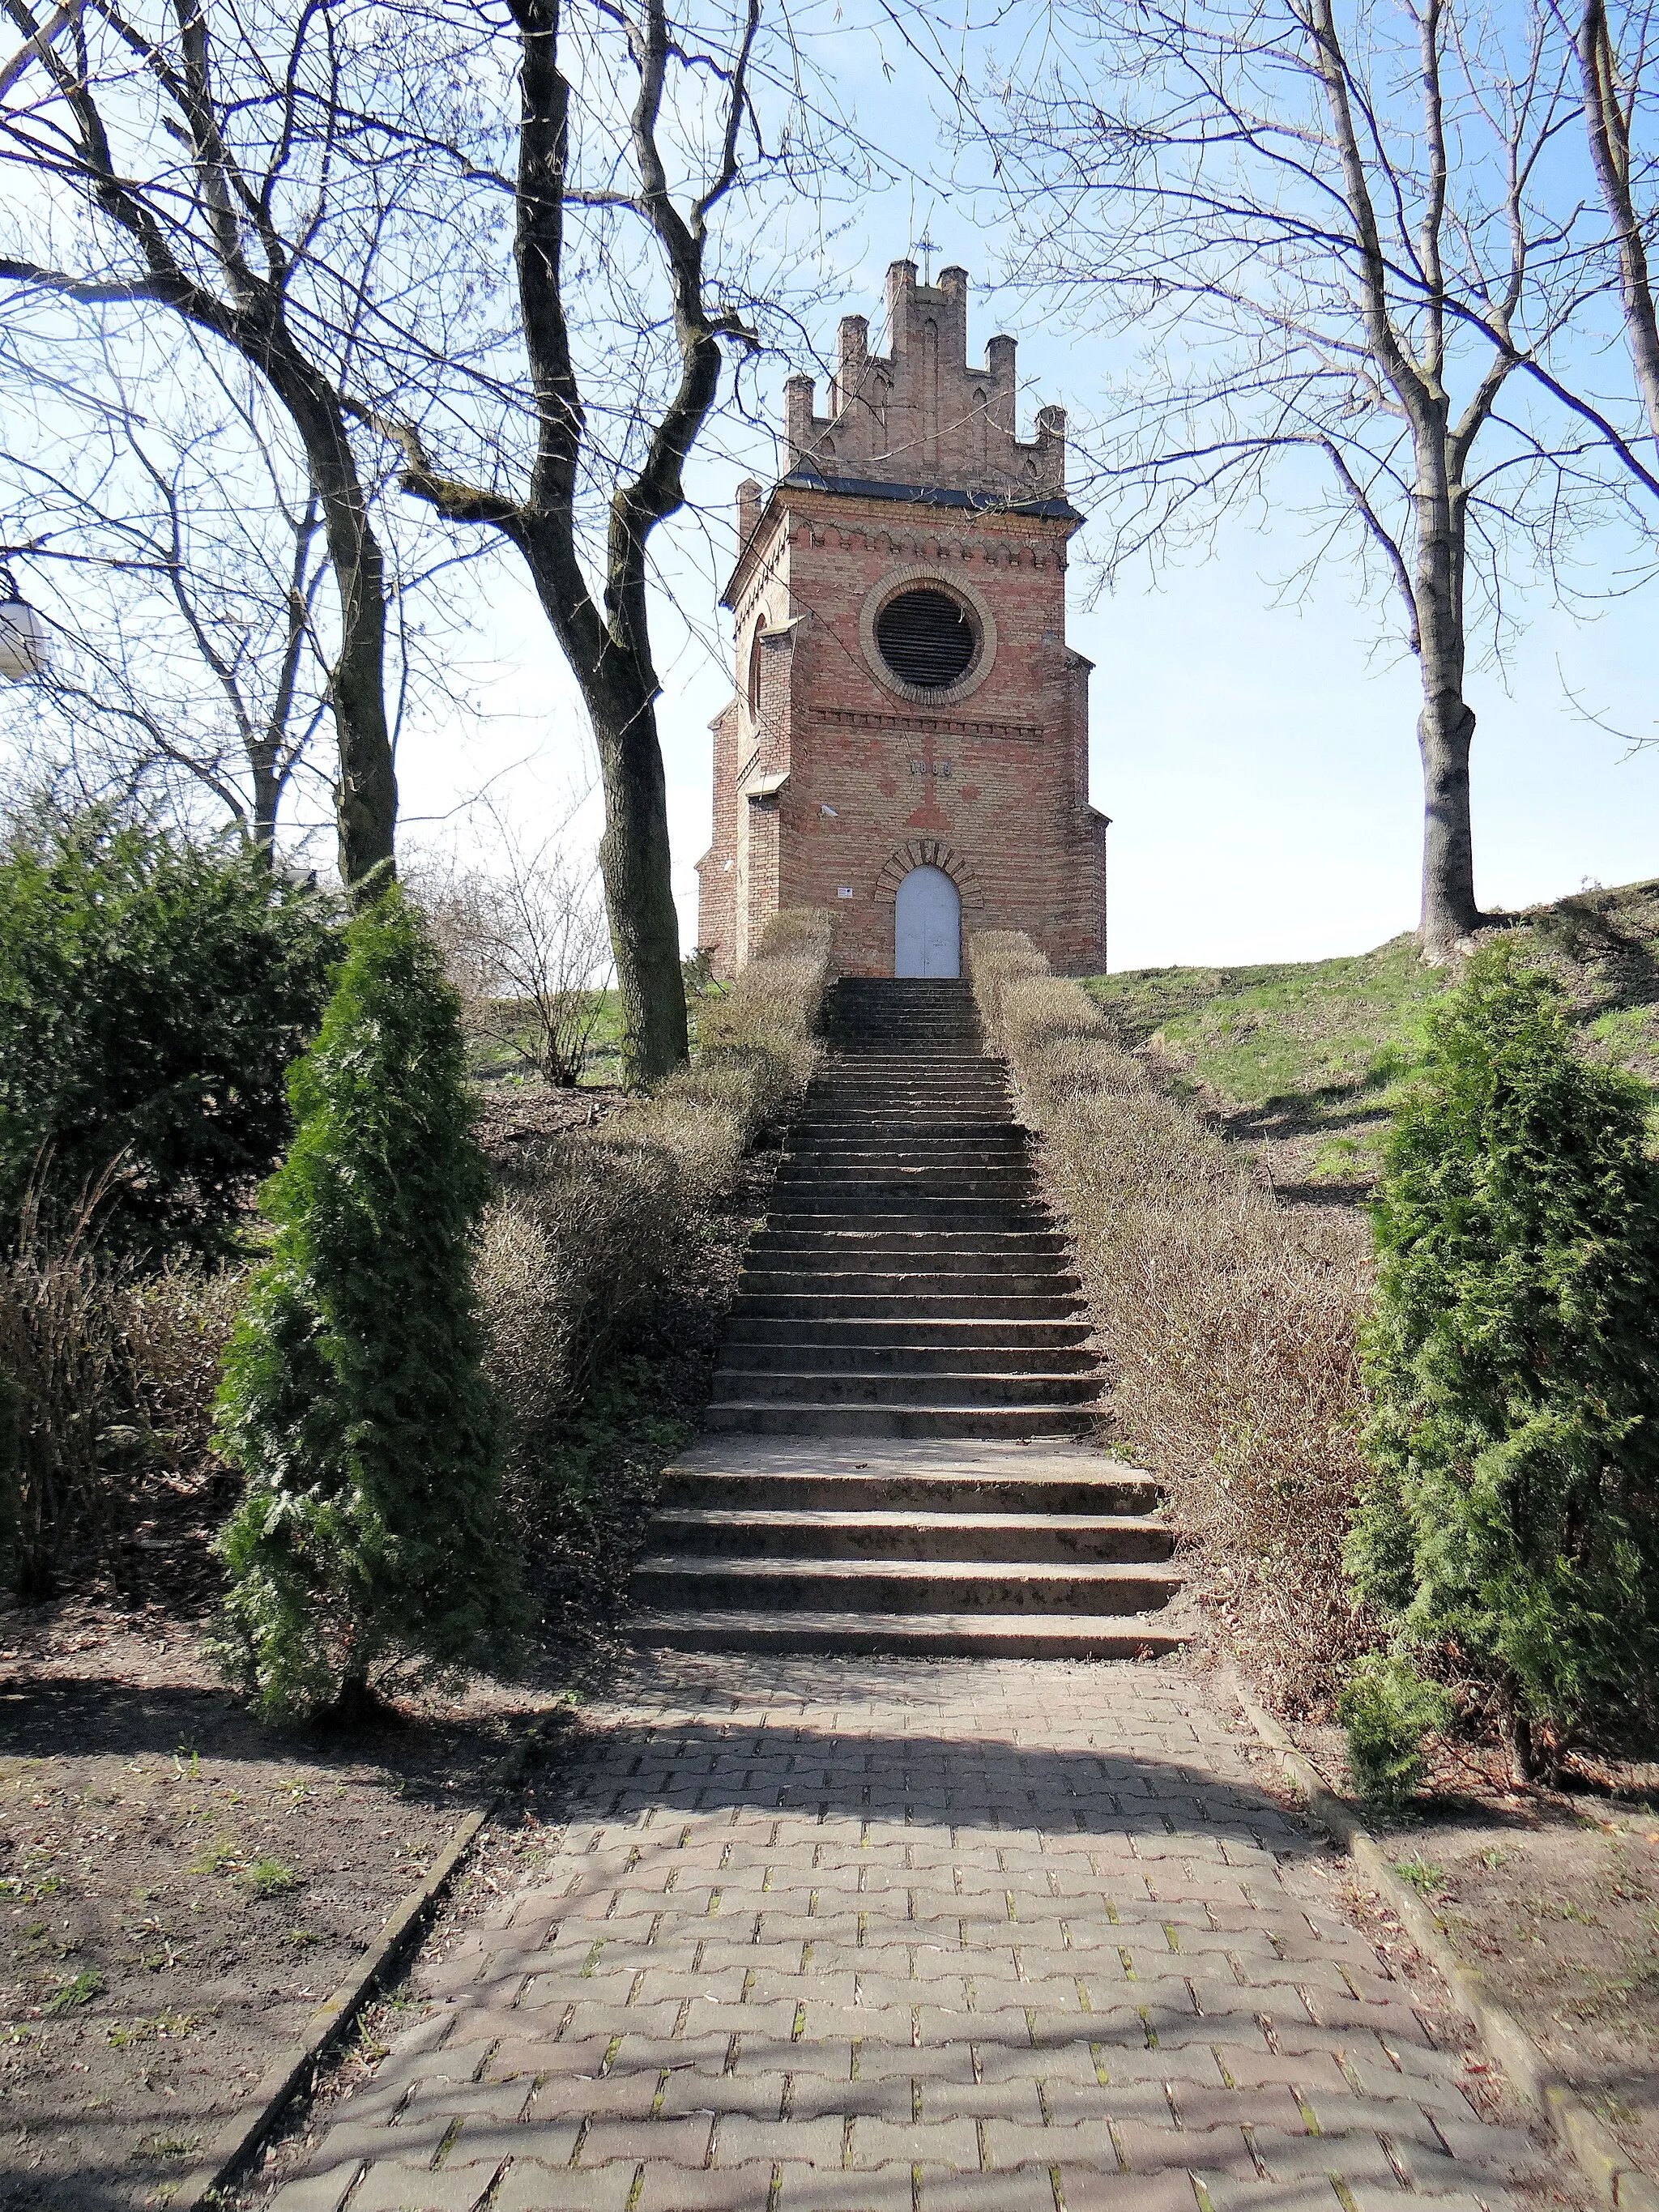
942	725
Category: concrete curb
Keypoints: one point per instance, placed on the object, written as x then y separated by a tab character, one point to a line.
228	2156
1586	2138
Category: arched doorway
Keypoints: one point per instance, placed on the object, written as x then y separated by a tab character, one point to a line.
927	925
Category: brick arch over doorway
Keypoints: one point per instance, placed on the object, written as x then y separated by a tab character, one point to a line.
931	853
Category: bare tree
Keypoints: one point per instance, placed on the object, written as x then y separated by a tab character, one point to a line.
208	148
1333	227
1616	65
550	948
180	545
636	441
173	543
525	943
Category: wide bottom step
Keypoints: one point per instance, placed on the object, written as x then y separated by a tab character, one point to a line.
909	1588
931	1636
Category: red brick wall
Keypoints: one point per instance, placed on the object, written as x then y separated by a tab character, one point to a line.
835	778
994	786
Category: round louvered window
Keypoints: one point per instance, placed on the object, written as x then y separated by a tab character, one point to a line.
927	638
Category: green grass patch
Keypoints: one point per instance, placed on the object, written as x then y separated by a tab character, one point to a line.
1332	1044
1424	1875
222	1856
268	1877
166	2027
1327	1034
80	1989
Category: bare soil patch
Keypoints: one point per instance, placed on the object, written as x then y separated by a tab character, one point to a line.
1552	1895
182	1886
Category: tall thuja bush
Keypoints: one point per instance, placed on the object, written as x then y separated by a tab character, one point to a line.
1513	1367
354	1400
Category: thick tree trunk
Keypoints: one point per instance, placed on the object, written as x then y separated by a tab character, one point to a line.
1523	1754
366	795
366	801
267	797
1445	728
1609	137
635	863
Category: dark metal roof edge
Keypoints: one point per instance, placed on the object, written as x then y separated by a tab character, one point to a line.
983	502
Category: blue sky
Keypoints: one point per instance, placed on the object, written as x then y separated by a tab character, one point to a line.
1257	757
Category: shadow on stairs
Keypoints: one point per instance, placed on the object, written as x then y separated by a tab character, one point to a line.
894	1459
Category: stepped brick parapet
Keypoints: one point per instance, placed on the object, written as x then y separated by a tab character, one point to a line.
906	703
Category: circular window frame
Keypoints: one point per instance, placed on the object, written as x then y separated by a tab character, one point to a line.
966	597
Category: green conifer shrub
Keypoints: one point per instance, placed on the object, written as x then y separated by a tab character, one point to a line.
354	1401
1387	1709
152	994
1511	1516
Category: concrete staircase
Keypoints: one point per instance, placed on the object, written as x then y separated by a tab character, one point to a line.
909	1283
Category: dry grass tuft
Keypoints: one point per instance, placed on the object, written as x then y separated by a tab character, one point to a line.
172	1329
589	1220
1230	1320
109	1376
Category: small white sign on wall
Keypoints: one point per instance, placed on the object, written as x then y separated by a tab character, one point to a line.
843	890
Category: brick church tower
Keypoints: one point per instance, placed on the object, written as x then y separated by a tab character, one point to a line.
910	741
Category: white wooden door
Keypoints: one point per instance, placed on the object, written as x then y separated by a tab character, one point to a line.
927	925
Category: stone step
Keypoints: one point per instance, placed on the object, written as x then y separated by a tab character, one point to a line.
981	1110
811	1305
934	1636
689	1584
944	1246
958	1269
795	1380
906	1209
908	1332
933	1091
759	1417
823	1481
889	1192
970	1179
885	1534
870	1147
845	1137
743	1357
832	1280
934	1085
838	1220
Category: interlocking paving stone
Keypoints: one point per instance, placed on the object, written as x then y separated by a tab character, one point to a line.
831	1936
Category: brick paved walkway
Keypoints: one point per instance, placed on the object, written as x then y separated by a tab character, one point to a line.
888	1937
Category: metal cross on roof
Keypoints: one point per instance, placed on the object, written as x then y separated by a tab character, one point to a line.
926	247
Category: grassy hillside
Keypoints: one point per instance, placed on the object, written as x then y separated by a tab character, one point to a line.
1309	1056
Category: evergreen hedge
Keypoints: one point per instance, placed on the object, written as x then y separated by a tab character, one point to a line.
1512	1520
152	994
355	1399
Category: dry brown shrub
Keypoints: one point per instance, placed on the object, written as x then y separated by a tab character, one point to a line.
172	1328
112	1377
1230	1323
59	1355
589	1220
